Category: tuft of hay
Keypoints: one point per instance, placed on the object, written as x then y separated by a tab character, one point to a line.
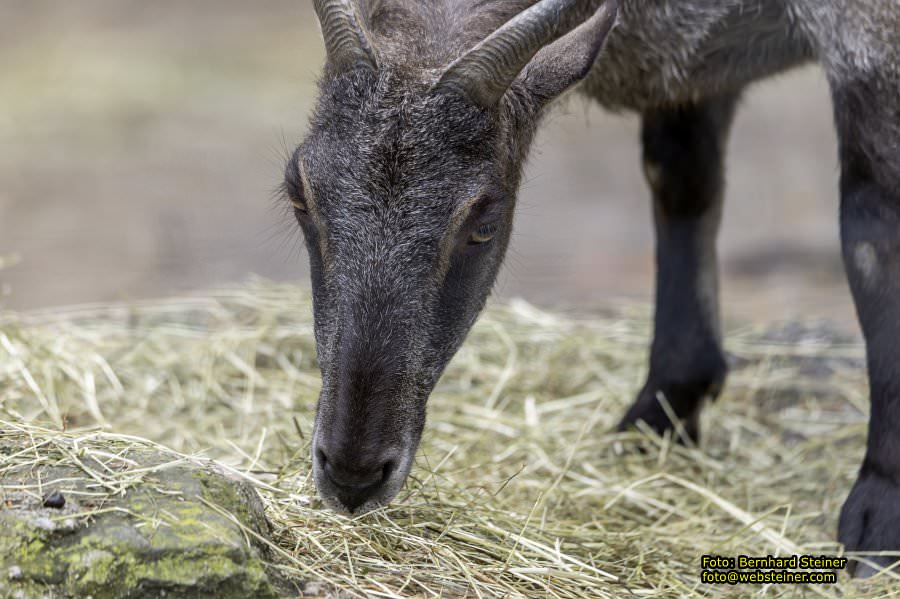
520	488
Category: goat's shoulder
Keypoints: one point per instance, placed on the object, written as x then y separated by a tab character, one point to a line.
670	51
855	38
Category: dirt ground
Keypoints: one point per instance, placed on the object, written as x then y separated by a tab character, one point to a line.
140	143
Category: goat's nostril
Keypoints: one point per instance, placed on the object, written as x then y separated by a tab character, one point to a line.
356	476
351	478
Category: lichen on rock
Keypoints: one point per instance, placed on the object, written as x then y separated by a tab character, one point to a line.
137	522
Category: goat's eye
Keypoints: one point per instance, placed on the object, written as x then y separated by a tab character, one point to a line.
484	233
293	190
297	200
299	205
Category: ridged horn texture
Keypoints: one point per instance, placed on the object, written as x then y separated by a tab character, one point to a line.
346	42
487	71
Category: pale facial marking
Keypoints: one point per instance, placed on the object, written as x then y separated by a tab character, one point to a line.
313	209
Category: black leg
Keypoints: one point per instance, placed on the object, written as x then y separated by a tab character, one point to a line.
868	120
684	150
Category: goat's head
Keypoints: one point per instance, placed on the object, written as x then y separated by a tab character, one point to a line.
404	189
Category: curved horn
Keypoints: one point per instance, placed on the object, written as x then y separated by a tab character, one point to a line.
486	72
346	41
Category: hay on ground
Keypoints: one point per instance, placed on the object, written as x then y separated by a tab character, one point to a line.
520	488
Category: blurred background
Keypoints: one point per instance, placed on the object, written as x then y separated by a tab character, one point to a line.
140	143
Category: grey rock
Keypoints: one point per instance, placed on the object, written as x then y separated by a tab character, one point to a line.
157	527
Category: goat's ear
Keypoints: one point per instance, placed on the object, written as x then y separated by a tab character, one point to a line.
568	60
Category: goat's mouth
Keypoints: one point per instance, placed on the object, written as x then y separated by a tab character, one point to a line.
353	492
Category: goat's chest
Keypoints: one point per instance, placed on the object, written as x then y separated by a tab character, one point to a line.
668	52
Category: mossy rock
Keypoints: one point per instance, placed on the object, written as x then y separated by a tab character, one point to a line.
134	524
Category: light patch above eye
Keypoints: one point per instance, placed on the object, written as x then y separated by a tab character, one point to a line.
300	196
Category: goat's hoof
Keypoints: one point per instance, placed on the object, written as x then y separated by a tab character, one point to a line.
870	522
672	407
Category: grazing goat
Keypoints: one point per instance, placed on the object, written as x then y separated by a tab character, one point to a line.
406	184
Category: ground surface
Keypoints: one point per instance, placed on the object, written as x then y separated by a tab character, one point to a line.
520	489
139	143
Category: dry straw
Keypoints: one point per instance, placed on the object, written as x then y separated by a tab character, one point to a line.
520	488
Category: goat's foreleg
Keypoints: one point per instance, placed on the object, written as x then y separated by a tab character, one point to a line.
867	111
684	153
